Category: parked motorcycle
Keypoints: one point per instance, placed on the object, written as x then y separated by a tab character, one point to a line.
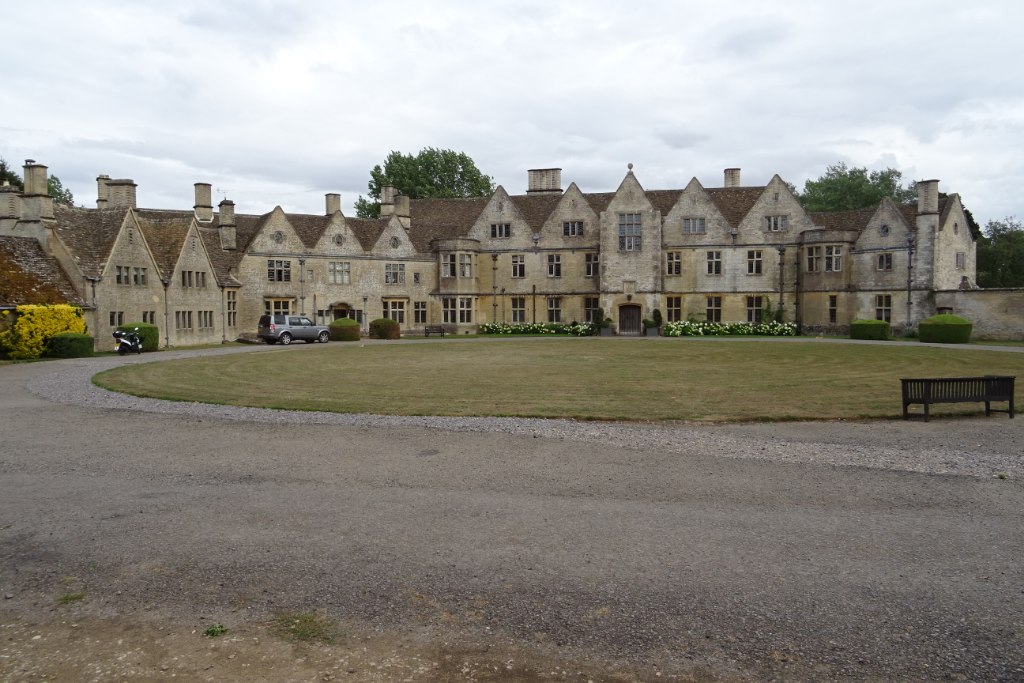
127	342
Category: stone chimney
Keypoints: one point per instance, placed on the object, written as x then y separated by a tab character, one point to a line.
120	193
227	229
10	207
402	210
204	202
102	195
387	200
35	199
333	203
928	196
732	177
544	181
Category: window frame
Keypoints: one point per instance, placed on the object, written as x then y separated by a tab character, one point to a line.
673	263
713	259
501	231
631	227
755	263
554	265
694	225
572	228
518	266
394	273
713	308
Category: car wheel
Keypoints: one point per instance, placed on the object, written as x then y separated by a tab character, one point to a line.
324	337
286	338
122	351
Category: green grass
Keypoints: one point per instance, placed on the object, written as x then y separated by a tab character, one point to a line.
305	627
588	378
69	598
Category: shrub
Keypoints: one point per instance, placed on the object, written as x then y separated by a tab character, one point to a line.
344	329
702	328
945	329
384	328
649	323
575	329
36	323
149	335
869	329
69	345
656	316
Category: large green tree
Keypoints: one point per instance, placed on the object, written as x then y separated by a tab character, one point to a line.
1000	255
54	187
842	188
430	173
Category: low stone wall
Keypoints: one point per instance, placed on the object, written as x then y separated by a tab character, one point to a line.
996	313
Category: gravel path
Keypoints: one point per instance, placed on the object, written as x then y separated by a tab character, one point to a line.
884	550
969	446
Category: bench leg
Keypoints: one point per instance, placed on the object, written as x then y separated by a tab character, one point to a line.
988	408
926	411
906	413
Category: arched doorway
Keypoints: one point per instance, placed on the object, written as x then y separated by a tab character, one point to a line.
629	320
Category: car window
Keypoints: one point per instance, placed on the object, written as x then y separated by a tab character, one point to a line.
306	321
294	321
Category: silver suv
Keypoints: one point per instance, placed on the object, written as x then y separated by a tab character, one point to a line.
285	328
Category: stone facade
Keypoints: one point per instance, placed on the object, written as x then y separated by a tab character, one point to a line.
725	253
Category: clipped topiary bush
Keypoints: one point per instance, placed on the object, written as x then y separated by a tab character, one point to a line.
69	345
384	328
149	335
945	329
869	329
344	329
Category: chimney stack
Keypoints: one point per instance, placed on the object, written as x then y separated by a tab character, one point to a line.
204	202
402	209
544	181
120	193
333	203
102	195
928	196
35	199
732	177
227	229
387	200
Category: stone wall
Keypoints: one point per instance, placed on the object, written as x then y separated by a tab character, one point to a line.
996	313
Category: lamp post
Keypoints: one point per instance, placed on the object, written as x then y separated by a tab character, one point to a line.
782	270
910	269
366	324
302	284
494	286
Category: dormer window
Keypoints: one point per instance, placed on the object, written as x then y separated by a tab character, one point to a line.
501	230
776	223
572	229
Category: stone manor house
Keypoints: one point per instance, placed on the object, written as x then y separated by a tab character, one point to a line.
550	255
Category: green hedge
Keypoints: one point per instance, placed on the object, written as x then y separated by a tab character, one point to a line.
869	329
945	329
344	329
384	328
69	345
149	335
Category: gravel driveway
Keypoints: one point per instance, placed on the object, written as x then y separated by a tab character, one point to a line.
797	551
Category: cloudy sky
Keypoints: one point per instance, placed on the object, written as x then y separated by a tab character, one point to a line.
281	102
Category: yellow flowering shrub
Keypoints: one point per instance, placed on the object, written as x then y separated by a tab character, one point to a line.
36	323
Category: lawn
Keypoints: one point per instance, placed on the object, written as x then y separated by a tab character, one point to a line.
582	378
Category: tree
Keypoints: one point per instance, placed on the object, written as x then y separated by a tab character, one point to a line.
1000	255
54	187
431	173
844	189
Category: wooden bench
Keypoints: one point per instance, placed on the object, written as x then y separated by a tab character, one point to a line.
958	390
433	329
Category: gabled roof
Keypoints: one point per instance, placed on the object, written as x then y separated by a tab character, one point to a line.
663	200
535	208
434	219
165	233
734	203
368	230
89	234
309	228
856	219
31	276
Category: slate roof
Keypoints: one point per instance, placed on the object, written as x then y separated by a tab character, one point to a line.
31	276
165	233
734	202
89	235
857	219
434	219
308	228
536	208
368	231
